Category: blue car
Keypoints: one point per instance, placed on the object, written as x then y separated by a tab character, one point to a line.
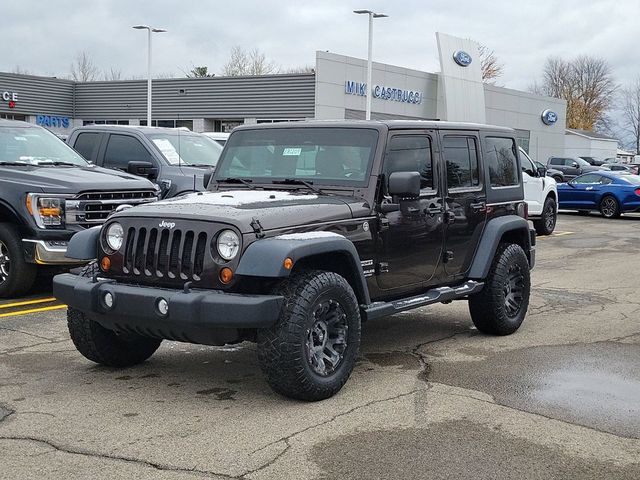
611	193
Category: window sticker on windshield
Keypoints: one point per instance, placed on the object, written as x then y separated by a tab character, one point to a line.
22	139
168	150
294	152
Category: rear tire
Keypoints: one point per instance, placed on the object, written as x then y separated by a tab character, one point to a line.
310	352
16	275
609	207
558	178
104	346
547	223
501	306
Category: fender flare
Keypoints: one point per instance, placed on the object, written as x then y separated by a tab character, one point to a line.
493	233
84	245
265	258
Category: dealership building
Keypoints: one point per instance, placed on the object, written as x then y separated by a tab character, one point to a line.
336	89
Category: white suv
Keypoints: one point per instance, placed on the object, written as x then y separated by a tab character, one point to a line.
541	195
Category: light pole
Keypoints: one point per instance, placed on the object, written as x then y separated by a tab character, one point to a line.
372	15
149	30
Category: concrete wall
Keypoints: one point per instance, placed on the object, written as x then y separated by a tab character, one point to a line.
522	110
579	146
332	101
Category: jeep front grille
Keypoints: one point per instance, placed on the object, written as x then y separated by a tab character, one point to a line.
92	208
163	253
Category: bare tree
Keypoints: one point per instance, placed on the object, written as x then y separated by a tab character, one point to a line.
83	69
20	71
113	74
253	62
199	72
631	111
489	64
585	83
301	69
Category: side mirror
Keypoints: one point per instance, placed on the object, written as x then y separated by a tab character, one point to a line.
404	184
571	184
207	178
574	164
143	169
542	171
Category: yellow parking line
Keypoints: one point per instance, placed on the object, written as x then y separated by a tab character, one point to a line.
558	234
27	302
33	310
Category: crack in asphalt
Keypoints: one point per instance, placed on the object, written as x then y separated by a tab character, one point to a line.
26	333
86	453
5	412
18	349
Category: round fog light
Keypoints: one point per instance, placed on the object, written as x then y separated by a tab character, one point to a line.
108	300
163	307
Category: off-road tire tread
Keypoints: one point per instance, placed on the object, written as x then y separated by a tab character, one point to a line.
279	350
22	274
104	346
487	306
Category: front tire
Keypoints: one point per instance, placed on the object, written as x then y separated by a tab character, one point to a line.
609	207
558	178
16	275
547	223
501	306
310	352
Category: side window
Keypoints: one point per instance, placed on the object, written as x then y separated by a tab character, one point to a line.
461	156
589	178
557	161
502	161
605	181
87	144
123	149
568	162
411	153
527	164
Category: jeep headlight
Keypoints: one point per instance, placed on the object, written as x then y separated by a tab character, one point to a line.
228	244
114	236
47	210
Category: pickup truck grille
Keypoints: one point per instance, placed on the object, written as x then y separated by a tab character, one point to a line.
163	253
92	208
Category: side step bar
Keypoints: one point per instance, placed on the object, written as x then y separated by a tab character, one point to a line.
436	295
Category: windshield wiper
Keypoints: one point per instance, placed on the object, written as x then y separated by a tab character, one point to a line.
297	181
244	181
58	162
20	164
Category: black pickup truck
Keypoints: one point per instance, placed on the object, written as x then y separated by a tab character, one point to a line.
47	193
308	229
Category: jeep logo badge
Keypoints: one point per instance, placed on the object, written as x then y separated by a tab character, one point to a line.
165	224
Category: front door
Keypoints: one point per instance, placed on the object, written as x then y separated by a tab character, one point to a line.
466	200
411	239
533	185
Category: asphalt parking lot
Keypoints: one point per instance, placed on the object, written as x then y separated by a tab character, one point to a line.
430	397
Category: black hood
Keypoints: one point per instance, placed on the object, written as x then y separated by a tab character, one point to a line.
273	208
63	179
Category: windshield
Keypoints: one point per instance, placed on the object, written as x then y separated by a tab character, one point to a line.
323	155
632	179
187	148
35	146
582	162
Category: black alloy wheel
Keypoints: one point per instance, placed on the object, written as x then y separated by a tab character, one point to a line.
514	291
327	338
5	262
547	223
609	207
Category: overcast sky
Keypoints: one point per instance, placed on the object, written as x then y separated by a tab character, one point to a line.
44	37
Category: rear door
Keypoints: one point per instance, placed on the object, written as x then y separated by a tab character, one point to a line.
465	199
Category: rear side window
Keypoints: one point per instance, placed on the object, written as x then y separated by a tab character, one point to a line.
502	161
461	157
87	144
411	153
557	161
123	149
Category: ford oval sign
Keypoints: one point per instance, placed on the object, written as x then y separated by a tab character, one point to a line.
549	117
462	58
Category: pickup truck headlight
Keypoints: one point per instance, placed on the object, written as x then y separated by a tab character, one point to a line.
47	210
228	244
114	236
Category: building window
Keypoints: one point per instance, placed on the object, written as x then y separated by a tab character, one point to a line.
105	122
522	139
169	123
13	116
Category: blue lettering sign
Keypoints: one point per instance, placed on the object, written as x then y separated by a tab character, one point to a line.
52	121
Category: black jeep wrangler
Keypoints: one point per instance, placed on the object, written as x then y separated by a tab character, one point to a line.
306	231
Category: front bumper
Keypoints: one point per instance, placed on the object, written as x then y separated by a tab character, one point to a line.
47	252
196	316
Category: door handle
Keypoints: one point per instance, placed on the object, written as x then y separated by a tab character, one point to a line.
478	207
589	188
434	210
